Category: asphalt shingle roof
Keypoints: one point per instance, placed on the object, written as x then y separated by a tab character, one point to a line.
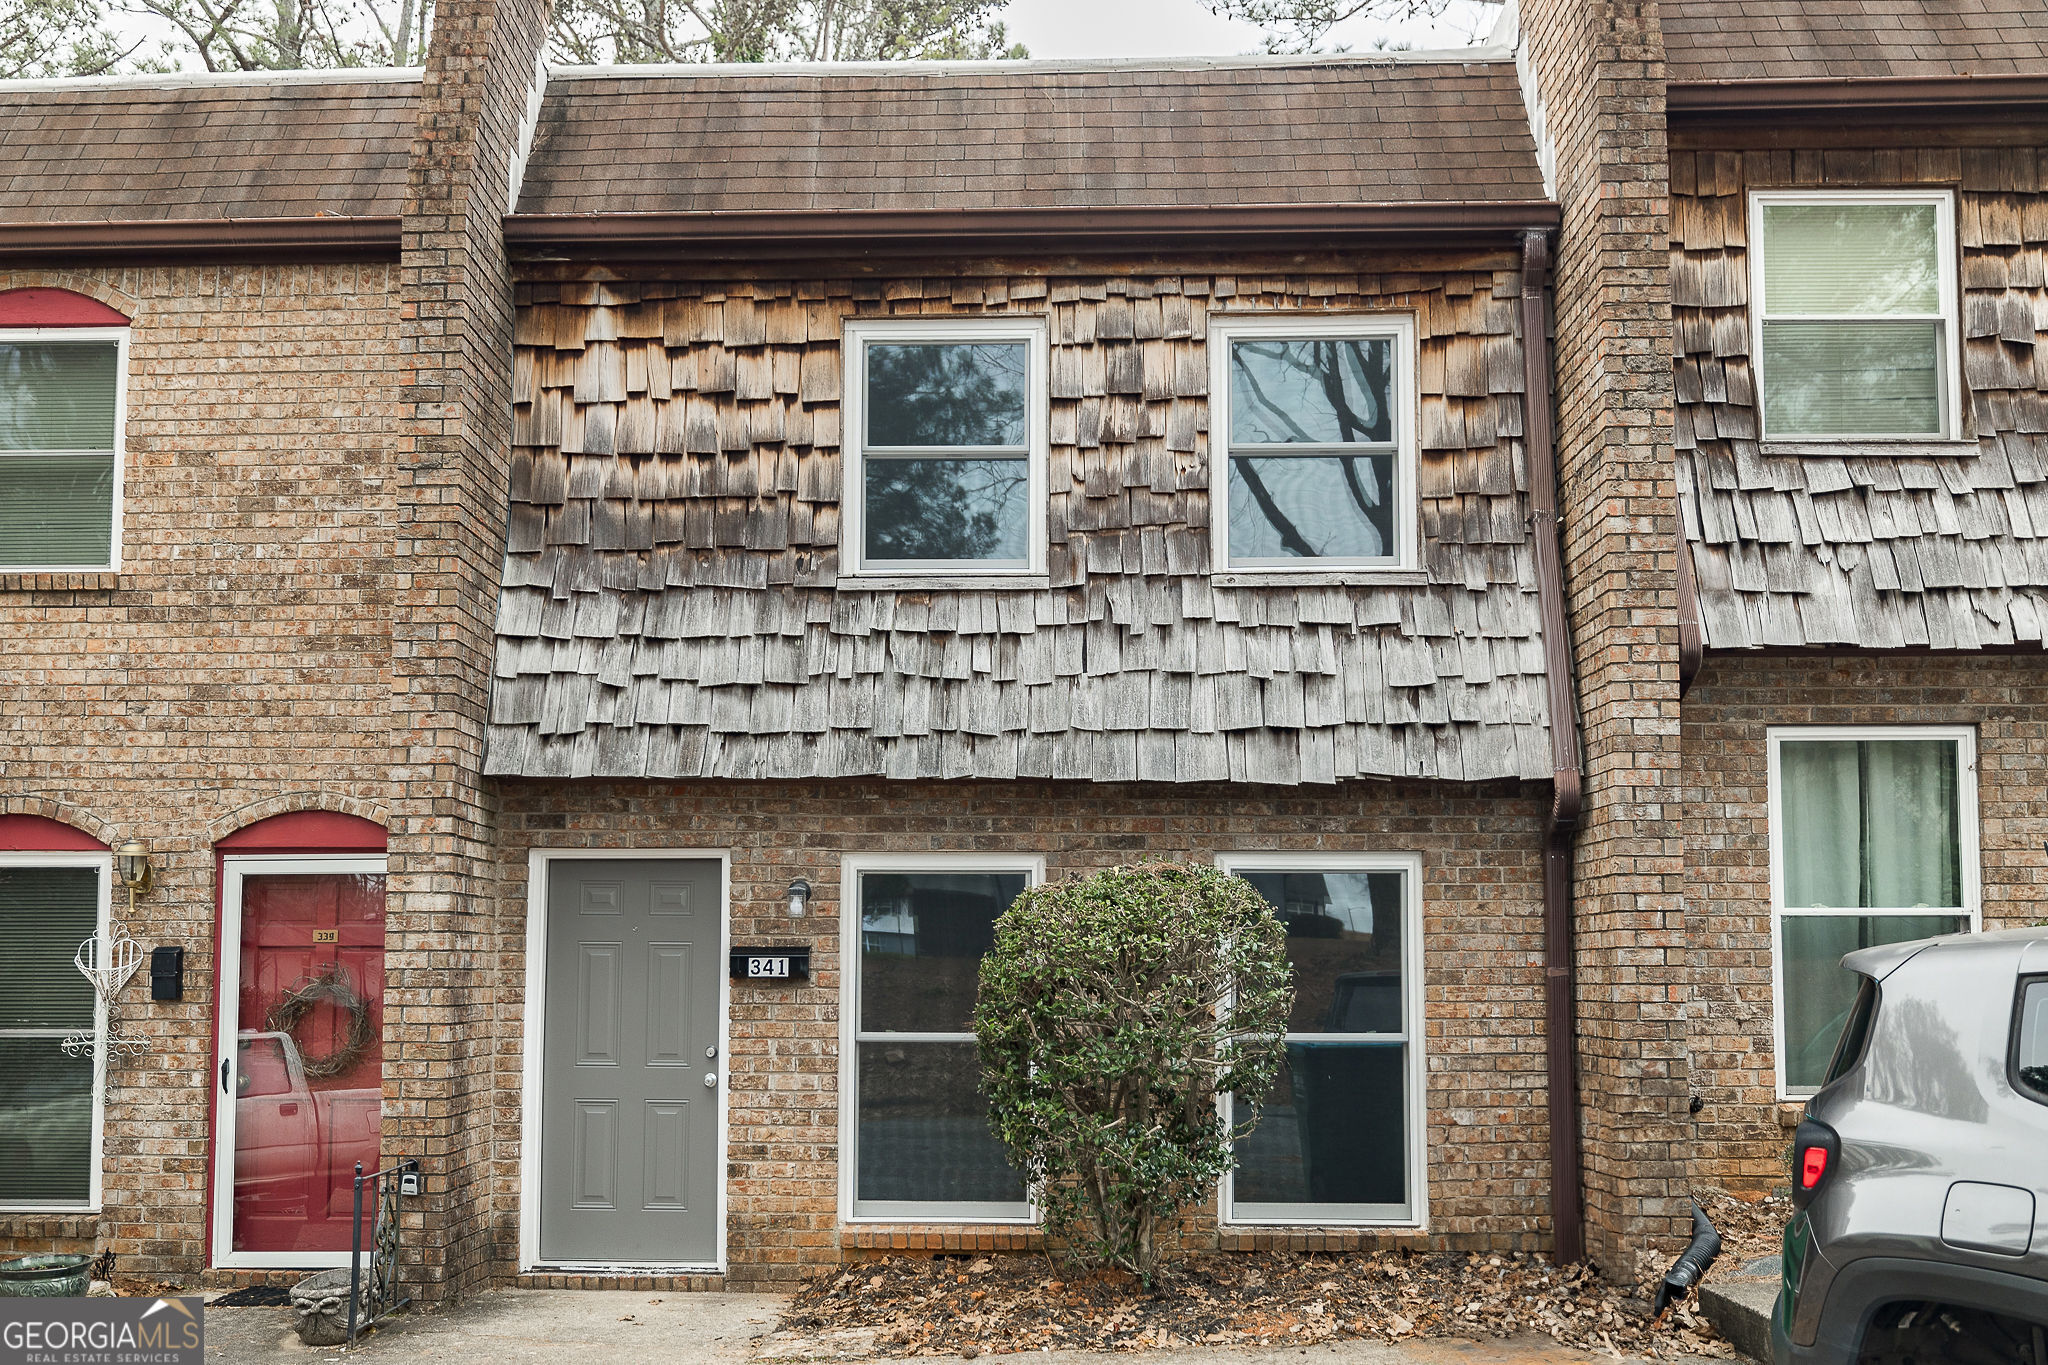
1109	135
1790	40
262	149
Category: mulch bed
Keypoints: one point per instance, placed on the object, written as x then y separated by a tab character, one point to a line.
970	1306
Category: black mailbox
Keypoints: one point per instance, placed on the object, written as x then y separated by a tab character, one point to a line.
765	965
167	973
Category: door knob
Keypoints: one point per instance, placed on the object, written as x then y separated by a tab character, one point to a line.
711	1080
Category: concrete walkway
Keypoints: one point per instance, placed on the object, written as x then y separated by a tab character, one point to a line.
562	1327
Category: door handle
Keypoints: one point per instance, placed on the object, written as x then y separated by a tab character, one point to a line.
287	1109
711	1080
224	1064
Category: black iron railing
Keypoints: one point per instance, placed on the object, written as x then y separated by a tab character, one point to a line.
369	1304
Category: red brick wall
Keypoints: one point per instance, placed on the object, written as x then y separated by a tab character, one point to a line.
236	667
1598	65
1740	1138
1482	909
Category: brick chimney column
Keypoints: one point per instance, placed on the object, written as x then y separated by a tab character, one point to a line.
1595	71
443	977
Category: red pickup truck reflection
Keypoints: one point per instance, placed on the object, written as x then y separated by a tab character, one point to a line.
296	1150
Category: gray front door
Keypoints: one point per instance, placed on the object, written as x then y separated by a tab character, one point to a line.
630	1064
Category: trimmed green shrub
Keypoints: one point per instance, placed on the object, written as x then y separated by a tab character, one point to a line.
1113	1011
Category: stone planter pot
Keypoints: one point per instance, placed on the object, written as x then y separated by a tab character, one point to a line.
321	1302
44	1277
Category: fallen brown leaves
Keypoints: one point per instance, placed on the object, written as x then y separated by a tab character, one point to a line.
910	1306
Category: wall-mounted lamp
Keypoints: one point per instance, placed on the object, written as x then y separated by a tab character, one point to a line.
799	898
131	860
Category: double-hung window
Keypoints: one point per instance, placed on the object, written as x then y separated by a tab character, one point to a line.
946	447
1873	840
50	903
1855	311
1340	1139
914	1123
1312	435
60	447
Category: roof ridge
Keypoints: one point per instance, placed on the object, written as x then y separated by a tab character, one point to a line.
184	80
1476	55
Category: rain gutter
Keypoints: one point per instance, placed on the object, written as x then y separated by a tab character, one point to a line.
235	239
1568	1241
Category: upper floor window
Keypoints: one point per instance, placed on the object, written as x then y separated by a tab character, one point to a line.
1313	442
60	446
946	441
1855	314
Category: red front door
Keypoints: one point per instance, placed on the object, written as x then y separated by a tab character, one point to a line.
306	1070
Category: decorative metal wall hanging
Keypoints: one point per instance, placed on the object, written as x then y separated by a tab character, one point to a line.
107	975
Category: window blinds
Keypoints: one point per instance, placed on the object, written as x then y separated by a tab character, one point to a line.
57	450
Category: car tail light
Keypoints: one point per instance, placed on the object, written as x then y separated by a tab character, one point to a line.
1816	1151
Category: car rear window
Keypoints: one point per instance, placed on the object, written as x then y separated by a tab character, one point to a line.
2030	1046
1855	1031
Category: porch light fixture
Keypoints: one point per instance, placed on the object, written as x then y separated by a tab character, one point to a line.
131	860
799	897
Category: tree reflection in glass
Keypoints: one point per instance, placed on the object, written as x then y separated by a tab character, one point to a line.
1312	449
946	474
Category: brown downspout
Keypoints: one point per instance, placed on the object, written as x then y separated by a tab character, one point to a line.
1692	640
1567	1229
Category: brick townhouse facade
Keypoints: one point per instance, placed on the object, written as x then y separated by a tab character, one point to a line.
554	536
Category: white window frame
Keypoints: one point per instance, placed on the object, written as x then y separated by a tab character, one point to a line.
1414	1038
104	864
851	868
235	870
1951	387
119	336
1400	328
858	336
1968	854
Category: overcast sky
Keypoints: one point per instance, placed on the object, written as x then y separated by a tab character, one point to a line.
1174	28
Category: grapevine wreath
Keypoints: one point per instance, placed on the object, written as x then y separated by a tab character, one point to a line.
353	1038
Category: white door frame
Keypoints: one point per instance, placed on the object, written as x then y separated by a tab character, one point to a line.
227	1008
538	861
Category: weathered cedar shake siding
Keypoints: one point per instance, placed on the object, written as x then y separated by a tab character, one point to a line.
237	667
1810	565
671	610
1482	1030
1859	544
670	604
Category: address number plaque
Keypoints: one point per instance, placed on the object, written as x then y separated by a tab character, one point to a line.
769	965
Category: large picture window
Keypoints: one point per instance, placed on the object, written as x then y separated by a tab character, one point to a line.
1340	1140
1313	440
946	432
1855	314
60	447
49	1102
915	1126
1873	840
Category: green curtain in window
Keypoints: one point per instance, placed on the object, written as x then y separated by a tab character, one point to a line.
57	436
1870	824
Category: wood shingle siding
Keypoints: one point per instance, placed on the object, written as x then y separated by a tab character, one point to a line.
1865	546
264	148
671	605
1247	132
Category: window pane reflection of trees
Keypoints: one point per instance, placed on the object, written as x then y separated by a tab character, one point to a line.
943	510
1312	469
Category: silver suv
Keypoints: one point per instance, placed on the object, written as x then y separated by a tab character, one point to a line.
1920	1172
